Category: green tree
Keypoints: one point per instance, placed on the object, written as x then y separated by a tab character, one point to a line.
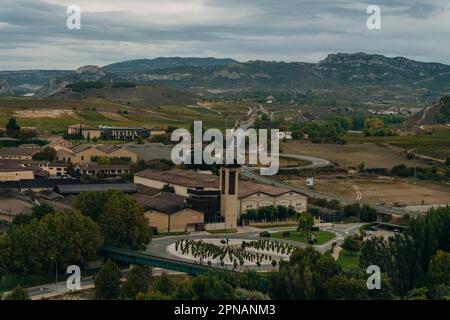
368	214
18	293
362	167
107	282
123	222
417	294
352	244
22	219
352	210
74	238
212	287
305	276
40	211
397	257
153	295
137	281
183	290
305	223
92	203
4	254
244	294
165	284
12	128
343	287
48	154
438	272
69	237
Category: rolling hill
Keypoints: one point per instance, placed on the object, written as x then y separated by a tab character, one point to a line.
346	78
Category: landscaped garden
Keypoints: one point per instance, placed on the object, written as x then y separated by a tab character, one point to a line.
320	236
348	260
233	252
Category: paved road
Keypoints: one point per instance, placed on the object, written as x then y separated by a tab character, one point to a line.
51	290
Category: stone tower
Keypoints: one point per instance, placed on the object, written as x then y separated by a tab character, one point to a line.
229	189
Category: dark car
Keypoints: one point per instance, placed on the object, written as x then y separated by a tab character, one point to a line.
265	234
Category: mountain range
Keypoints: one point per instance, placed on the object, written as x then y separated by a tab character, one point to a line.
344	77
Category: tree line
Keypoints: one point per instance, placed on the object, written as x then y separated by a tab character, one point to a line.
73	237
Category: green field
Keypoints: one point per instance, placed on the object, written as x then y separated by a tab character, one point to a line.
31	113
321	236
348	261
436	145
224	231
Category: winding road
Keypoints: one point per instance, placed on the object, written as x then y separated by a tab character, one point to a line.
315	163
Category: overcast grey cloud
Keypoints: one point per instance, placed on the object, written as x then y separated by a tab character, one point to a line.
33	33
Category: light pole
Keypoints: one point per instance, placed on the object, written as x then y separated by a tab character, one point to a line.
56	273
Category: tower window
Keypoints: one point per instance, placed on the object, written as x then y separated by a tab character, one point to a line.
232	182
223	182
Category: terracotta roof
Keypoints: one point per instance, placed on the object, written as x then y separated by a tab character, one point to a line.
13	207
79	188
5	152
247	188
149	191
12	165
162	205
186	178
80	147
48	195
108	148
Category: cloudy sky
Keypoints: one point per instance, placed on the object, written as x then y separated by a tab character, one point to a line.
33	33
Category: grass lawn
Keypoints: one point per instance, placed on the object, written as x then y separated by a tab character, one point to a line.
222	231
347	261
321	236
284	225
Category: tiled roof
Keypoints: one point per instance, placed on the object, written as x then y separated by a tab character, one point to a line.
28	152
80	147
154	203
149	191
247	188
79	188
186	178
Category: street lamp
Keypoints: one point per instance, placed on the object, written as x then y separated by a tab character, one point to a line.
56	272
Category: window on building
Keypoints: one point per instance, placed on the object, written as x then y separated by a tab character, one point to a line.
232	182
223	182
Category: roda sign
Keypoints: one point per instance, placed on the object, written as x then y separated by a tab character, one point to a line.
125	134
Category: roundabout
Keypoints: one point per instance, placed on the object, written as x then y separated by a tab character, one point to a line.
234	253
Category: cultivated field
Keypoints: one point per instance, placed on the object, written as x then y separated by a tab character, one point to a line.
436	145
351	154
384	191
54	115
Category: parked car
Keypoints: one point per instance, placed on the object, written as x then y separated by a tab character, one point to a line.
265	234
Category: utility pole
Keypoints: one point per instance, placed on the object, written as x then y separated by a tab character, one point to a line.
56	273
